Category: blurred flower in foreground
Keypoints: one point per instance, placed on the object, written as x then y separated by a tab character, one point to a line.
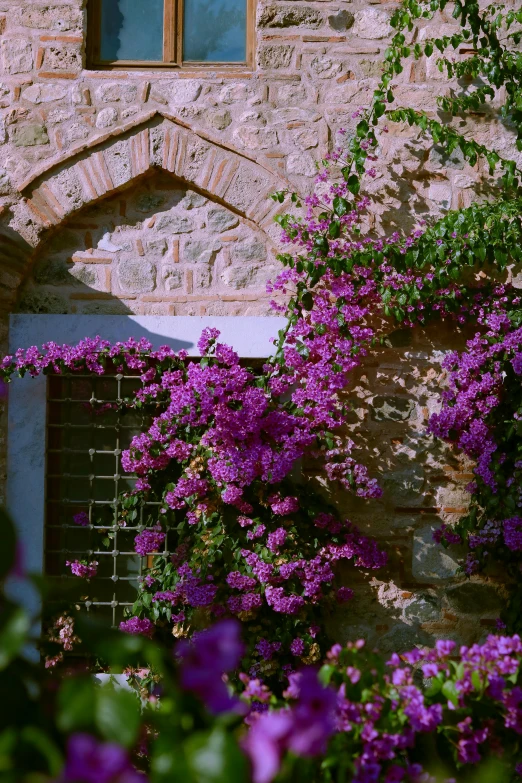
91	761
304	729
205	658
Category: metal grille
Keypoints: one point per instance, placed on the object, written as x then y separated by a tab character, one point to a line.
86	436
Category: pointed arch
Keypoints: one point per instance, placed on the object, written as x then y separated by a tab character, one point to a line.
110	163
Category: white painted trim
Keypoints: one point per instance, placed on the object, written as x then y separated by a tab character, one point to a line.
250	336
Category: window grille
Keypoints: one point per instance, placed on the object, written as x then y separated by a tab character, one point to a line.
86	435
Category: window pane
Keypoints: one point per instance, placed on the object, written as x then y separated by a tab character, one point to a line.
132	30
215	31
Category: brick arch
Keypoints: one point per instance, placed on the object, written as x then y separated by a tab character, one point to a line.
108	164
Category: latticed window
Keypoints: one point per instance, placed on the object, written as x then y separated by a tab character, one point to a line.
86	434
65	480
169	32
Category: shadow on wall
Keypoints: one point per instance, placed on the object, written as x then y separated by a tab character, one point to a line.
157	248
420	596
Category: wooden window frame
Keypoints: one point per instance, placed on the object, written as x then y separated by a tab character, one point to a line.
172	42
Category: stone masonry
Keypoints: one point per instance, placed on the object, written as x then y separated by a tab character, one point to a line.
147	191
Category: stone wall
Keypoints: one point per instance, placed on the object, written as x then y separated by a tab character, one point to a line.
148	192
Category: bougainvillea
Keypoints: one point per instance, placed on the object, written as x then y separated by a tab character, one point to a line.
375	723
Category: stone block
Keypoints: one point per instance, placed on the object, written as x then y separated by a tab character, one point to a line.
107	117
172	277
176	93
17	55
149	202
290	16
203	278
247	187
324	67
86	274
391	408
199	251
51	271
63	58
157	247
402	638
372	23
305	138
240	276
44	93
474	598
249	251
49	17
440	159
275	56
67	187
118	160
254	138
372	69
431	562
291	94
175	223
423	609
219	219
192	200
5	183
219	118
440	193
341	21
136	276
112	93
301	163
43	302
29	135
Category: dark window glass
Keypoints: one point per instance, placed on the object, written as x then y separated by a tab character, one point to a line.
214	31
132	30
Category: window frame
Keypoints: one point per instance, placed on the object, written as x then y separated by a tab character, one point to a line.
250	336
172	42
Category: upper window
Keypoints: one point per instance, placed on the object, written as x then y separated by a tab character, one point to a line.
163	33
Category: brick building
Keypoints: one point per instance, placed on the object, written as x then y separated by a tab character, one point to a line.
135	174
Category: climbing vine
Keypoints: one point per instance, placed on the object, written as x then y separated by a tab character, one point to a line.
216	505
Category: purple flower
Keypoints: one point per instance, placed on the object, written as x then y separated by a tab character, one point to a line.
266	742
149	541
138	625
297	647
205	659
91	761
82	569
303	730
82	519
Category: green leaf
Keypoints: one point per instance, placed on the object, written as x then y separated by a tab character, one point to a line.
40	740
13	633
450	692
76	704
118	715
340	206
354	184
476	680
214	757
307	300
362	129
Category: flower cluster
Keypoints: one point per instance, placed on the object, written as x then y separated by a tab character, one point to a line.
83	569
374	715
204	660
